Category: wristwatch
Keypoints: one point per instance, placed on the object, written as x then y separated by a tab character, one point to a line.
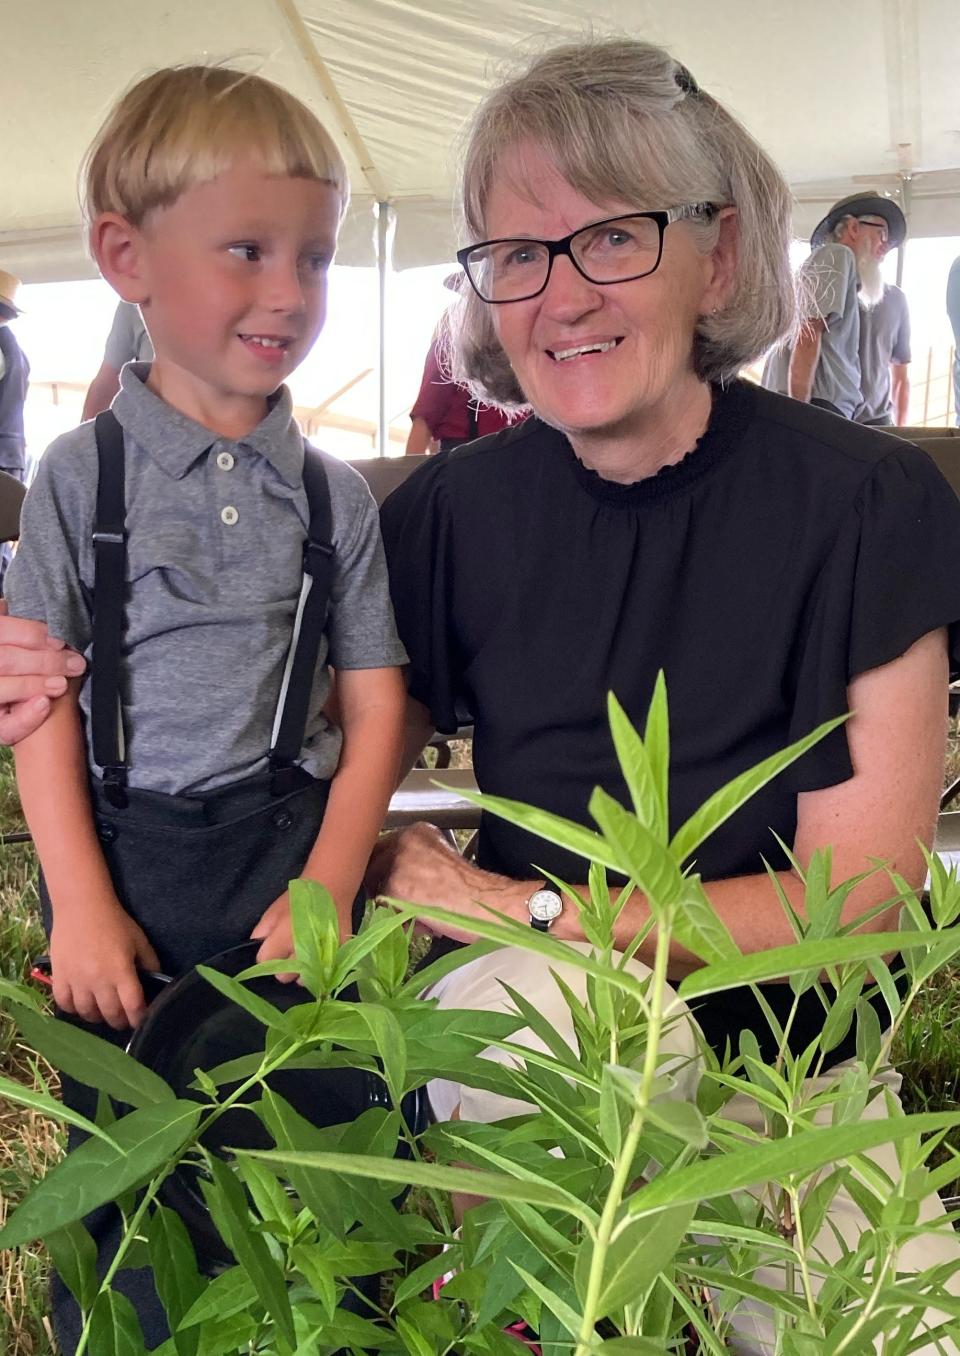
544	905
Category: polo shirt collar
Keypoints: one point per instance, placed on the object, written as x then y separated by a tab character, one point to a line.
175	441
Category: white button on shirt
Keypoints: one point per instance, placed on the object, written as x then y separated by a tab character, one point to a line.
226	461
229	515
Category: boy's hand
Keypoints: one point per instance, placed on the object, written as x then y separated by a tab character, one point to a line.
275	930
94	954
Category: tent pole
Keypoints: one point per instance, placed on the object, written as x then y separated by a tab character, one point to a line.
385	225
905	195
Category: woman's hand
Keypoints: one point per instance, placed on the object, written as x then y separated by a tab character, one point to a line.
34	668
417	864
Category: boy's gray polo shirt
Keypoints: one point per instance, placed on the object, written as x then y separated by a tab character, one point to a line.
215	538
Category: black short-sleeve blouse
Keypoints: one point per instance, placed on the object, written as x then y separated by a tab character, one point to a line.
788	552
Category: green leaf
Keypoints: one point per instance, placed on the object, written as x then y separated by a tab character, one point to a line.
697	926
629	1346
175	1274
640	1249
22	995
477	1183
529	939
114	1327
723	803
869	1035
375	931
611	1114
74	1256
316	933
245	998
227	1294
270	1198
318	1272
645	793
541	1027
92	1061
680	1119
779	1160
422	1277
48	1106
641	857
391	1046
553	828
944	891
570	1319
656	738
782	961
445	965
840	1017
250	1248
97	1172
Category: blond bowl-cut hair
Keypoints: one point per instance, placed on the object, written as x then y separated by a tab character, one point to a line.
184	125
623	121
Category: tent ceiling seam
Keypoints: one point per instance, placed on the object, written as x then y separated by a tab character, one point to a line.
308	50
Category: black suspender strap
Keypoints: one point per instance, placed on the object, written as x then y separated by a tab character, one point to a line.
301	666
110	557
109	584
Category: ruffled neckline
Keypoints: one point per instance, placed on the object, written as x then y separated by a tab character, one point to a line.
730	413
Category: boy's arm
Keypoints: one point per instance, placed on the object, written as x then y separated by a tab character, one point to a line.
95	945
371	704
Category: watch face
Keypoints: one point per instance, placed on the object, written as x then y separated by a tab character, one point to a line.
545	905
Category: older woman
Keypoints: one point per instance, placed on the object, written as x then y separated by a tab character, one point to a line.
627	255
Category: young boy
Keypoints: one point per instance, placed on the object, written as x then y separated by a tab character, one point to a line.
214	200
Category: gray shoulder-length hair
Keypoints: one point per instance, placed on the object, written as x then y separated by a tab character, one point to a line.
623	121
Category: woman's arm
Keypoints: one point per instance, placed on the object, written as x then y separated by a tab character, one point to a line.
371	706
897	737
34	668
95	945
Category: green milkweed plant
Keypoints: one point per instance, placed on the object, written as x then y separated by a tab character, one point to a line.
614	1221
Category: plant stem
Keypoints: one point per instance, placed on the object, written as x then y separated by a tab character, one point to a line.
624	1165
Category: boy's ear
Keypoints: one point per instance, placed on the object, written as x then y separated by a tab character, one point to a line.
117	247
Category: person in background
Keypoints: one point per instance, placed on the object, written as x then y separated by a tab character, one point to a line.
839	280
884	360
953	311
444	414
127	342
14	379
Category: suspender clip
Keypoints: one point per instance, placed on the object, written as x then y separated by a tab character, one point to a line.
112	538
115	785
315	553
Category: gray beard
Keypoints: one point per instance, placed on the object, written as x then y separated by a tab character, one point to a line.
871	281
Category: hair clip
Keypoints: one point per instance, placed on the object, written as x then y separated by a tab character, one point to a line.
685	80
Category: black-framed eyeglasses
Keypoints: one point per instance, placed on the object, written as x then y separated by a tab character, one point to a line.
617	249
877	226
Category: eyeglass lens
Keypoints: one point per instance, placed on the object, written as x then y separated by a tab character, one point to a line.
610	251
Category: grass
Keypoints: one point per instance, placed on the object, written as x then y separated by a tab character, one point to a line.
28	1143
928	1054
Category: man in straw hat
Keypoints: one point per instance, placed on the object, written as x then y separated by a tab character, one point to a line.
841	280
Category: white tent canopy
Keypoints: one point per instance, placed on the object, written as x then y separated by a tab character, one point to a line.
843	96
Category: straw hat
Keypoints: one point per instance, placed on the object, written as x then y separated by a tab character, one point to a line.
863	205
9	287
